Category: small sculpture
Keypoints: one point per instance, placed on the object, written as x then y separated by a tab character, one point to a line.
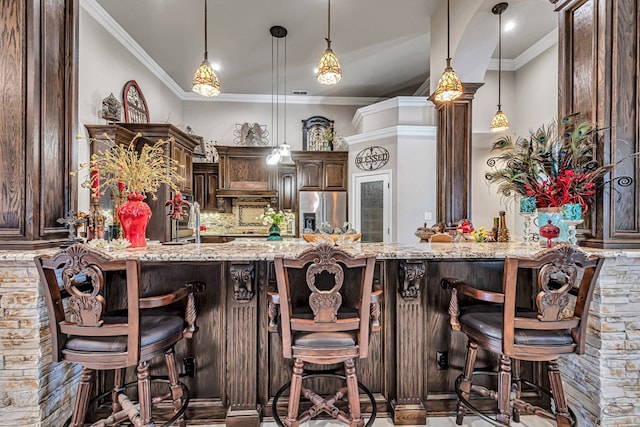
111	109
71	221
549	231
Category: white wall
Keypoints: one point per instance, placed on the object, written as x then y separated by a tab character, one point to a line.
217	120
104	68
530	99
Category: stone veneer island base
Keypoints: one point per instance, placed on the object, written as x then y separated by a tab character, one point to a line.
238	357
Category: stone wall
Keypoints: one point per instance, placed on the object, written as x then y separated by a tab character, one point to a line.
603	385
33	391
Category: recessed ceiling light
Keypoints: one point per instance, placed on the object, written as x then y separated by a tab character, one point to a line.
315	71
509	25
215	66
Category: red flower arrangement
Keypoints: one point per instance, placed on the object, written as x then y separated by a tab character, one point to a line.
555	165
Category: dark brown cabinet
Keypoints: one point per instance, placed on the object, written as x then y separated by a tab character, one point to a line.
322	170
205	185
287	190
180	146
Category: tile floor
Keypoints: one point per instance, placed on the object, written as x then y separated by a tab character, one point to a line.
527	421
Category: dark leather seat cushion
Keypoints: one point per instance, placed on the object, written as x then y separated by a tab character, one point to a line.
324	339
487	320
152	330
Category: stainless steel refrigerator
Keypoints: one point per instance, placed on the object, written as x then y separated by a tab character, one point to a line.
318	207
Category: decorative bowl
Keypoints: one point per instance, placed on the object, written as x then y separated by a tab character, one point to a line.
335	237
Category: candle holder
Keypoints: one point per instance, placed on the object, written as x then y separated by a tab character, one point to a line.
96	220
527	237
571	229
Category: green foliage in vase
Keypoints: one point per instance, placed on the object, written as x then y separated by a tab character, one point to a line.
556	164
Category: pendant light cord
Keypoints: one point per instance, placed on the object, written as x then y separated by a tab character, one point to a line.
285	89
273	134
448	34
499	58
329	24
206	53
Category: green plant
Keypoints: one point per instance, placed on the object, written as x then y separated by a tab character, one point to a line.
270	216
556	164
125	168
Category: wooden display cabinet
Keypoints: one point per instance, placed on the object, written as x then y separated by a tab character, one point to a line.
205	185
322	170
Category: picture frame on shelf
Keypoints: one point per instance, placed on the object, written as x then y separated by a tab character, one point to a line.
317	134
134	105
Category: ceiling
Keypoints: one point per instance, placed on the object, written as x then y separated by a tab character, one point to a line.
382	45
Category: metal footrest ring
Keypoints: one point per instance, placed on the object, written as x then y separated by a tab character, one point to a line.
467	404
326	374
154	379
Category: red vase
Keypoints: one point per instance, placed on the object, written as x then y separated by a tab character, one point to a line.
134	216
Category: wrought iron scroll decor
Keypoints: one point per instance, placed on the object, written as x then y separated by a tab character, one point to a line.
242	278
410	274
372	158
250	134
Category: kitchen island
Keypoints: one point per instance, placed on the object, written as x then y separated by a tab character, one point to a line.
412	363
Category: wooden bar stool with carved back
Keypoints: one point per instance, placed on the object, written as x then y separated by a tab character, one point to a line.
74	281
328	323
557	326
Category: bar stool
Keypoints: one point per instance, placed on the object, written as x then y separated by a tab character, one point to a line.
556	327
325	319
74	281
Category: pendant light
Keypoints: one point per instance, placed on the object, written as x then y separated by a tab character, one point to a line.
329	71
205	81
282	153
449	85
499	123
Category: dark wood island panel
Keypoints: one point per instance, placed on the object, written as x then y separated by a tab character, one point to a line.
238	360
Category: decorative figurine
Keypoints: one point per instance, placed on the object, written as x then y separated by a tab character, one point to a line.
176	213
71	221
549	231
111	109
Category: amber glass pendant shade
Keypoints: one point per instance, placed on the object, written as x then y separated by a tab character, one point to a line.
500	122
205	81
329	71
449	86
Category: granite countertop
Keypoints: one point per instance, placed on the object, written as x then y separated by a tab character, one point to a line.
251	249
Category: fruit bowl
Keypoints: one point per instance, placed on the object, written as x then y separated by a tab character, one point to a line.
312	237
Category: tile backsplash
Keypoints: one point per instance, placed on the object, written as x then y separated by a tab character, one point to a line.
241	220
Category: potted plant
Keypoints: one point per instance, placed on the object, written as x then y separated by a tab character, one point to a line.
275	220
135	173
554	166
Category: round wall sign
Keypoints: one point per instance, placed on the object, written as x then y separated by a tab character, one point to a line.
372	158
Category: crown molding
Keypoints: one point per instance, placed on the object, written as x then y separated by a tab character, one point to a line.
424	89
528	55
117	32
397	102
291	99
98	13
392	132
